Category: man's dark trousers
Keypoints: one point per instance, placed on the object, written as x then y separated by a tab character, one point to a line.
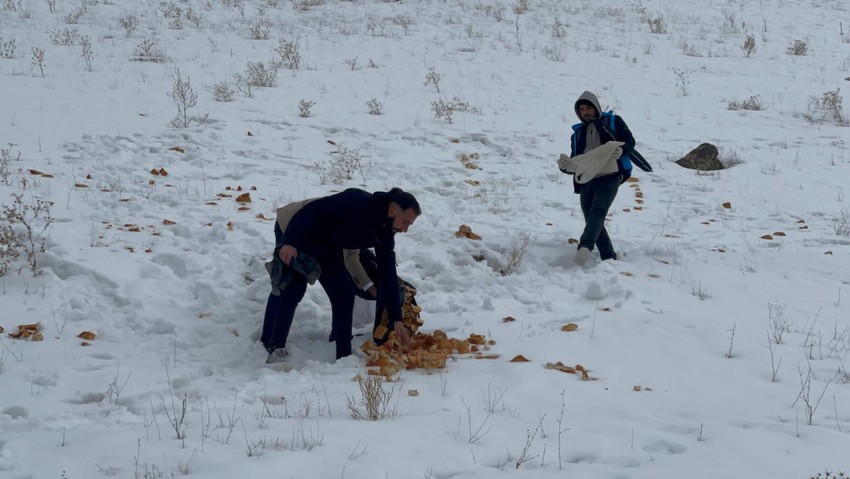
596	197
280	310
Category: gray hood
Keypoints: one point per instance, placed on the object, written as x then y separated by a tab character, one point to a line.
588	97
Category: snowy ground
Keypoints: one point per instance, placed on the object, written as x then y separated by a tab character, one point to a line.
712	352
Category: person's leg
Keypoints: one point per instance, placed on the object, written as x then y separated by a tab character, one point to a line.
605	194
279	313
337	285
590	232
596	198
280	309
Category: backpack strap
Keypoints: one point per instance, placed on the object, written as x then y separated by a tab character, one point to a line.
612	127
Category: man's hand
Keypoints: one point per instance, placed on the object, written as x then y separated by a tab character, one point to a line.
401	333
618	152
286	254
373	291
563	161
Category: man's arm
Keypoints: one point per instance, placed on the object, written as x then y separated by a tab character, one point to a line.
573	144
624	135
388	279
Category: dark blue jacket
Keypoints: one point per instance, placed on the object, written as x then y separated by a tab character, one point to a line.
352	219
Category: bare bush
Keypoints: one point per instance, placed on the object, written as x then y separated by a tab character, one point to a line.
433	78
690	50
86	53
259	30
242	85
9	248
38	59
352	63
12	5
148	51
343	165
832	102
184	97
128	23
235	4
525	456
375	107
520	6
554	53
777	322
222	91
7	49
402	21
657	24
193	18
304	107
22	227
304	5
829	104
174	15
73	18
683	79
798	48
377	26
749	45
65	36
177	414
374	403
730	24
446	110
752	103
6	159
259	75
841	223
558	29
810	403
512	257
827	474
290	54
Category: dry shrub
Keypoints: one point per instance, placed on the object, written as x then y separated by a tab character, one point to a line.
374	401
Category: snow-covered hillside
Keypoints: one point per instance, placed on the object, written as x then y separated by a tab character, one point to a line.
711	351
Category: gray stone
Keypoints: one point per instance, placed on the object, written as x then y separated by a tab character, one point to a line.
703	158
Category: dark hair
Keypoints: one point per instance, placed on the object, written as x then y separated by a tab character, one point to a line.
404	200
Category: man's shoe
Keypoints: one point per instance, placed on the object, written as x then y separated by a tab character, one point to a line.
582	256
277	356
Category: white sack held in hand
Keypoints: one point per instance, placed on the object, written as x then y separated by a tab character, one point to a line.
601	160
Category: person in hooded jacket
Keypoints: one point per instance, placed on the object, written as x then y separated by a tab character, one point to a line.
323	229
599	162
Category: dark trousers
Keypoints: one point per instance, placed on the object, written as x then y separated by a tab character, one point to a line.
280	310
596	197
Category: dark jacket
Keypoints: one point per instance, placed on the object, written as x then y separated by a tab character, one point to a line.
621	133
352	219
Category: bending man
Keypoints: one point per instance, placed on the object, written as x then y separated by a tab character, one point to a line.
322	229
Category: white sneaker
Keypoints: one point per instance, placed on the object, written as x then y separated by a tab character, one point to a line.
277	356
582	256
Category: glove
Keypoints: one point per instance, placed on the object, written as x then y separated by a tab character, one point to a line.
563	162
